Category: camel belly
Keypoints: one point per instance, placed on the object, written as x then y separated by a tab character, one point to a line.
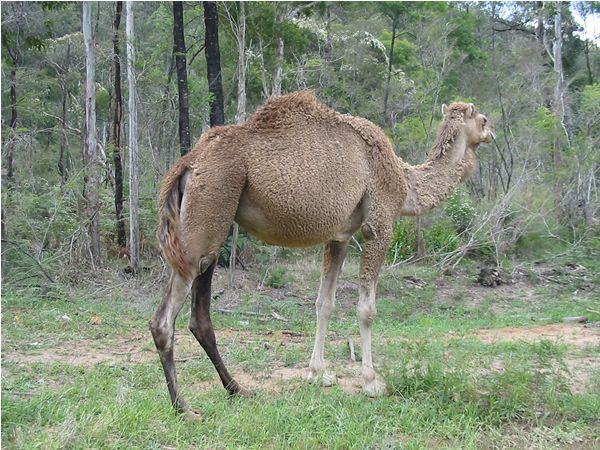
301	225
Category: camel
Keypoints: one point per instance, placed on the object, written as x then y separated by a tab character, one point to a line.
298	174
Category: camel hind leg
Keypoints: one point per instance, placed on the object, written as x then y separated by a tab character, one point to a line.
162	326
202	328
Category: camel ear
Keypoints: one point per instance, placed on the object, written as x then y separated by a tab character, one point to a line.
470	110
444	109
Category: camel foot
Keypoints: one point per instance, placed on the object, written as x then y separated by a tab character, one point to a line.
191	415
373	385
324	378
235	389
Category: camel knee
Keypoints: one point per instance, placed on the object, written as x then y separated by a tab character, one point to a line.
207	262
162	334
325	307
366	314
202	331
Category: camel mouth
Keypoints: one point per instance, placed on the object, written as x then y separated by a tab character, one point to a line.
491	136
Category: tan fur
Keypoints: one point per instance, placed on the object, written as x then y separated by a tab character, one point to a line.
451	159
299	174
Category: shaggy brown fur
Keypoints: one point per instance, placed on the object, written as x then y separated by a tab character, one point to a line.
299	174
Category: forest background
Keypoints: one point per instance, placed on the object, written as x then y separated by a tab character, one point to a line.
527	65
487	329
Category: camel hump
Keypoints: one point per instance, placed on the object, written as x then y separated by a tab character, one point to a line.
168	232
290	109
368	131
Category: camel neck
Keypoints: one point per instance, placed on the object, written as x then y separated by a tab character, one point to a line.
431	183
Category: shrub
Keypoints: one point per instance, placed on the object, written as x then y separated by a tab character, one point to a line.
279	277
460	210
441	238
403	240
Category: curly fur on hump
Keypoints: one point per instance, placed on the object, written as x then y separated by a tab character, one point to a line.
453	120
288	110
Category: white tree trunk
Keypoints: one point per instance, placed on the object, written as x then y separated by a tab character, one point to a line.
90	148
278	73
239	118
242	65
559	90
134	231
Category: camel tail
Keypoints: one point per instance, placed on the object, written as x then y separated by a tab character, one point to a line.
169	233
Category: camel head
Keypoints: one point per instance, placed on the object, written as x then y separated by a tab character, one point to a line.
476	125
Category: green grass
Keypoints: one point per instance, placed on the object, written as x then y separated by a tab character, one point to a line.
447	388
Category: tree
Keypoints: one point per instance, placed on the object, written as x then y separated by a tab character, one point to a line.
213	64
134	230
121	235
90	155
179	50
239	30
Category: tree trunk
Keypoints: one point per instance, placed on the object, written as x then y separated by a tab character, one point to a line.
118	117
239	118
213	63
180	51
4	238
560	107
278	72
386	92
586	52
241	41
90	154
63	158
134	232
10	147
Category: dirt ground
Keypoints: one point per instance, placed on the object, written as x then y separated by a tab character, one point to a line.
138	347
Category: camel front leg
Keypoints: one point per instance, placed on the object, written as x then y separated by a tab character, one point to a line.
333	260
371	260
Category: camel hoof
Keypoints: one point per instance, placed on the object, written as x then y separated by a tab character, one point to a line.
191	415
374	388
325	379
238	391
243	392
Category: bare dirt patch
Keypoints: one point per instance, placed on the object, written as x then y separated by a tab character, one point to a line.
571	334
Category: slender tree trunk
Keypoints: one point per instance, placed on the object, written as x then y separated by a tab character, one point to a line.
63	159
560	107
117	123
586	52
239	117
263	70
213	63
4	238
419	240
92	167
328	54
241	41
278	72
10	147
134	231
386	92
539	29
180	51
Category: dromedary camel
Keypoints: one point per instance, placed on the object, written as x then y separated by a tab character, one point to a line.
298	174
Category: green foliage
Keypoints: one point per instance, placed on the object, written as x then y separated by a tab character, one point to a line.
459	208
279	277
441	237
402	242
